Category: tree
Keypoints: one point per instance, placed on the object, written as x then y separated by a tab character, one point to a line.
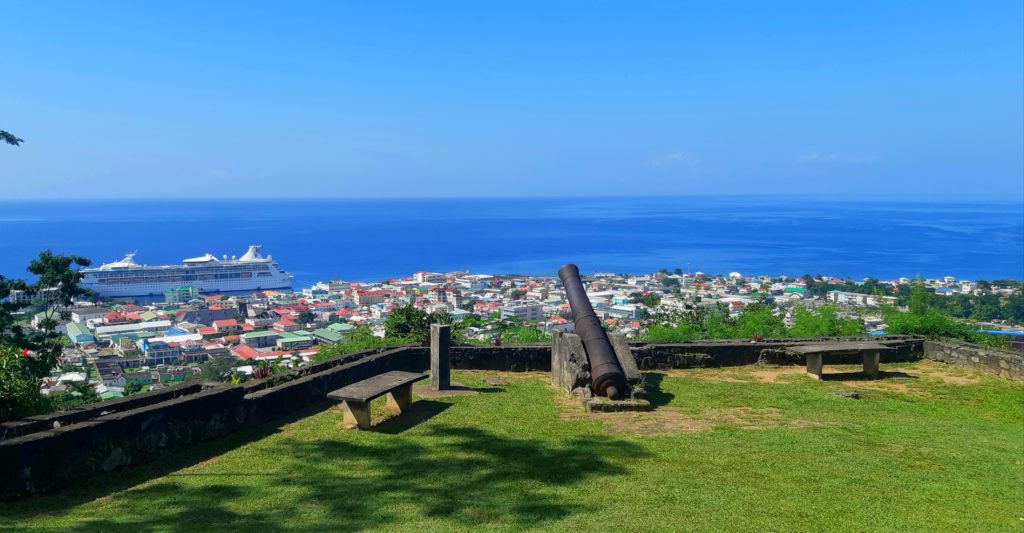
10	138
132	387
758	320
78	393
409	323
524	335
60	284
37	352
19	388
306	317
358	340
822	323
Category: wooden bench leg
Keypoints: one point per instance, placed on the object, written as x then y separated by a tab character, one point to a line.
357	414
871	359
400	399
814	361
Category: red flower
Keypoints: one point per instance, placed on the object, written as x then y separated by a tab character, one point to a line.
24	352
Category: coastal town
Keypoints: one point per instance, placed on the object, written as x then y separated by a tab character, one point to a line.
117	347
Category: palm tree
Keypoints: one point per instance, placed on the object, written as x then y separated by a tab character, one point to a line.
10	138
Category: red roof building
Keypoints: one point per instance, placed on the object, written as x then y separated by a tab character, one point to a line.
227	325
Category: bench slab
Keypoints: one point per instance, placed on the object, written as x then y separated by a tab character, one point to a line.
815	355
840	347
375	387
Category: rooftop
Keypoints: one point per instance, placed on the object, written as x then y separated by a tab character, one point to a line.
930	447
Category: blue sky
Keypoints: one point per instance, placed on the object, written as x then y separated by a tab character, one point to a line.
852	100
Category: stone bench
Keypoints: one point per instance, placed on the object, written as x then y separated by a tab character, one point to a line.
815	353
356	397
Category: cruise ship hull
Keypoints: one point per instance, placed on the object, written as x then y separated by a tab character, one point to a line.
125	278
122	290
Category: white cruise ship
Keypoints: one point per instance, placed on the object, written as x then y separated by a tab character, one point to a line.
250	272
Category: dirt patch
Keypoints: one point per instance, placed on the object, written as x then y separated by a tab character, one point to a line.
947	374
658	422
901	386
745	374
776	373
667	421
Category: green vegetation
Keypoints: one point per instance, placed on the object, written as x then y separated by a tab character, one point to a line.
725	450
822	322
651	299
19	387
9	138
984	306
520	334
132	387
756	320
359	340
36	352
924	319
409	323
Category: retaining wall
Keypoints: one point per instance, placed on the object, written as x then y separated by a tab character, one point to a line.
1004	363
738	353
47	452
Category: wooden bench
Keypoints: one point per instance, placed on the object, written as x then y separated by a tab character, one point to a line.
356	397
815	355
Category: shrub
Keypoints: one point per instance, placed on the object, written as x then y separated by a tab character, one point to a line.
19	388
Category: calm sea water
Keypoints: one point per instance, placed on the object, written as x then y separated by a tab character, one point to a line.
365	240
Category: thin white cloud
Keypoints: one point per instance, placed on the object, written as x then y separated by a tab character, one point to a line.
818	157
676	159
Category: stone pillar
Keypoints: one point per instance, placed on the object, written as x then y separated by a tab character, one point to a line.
440	358
570	370
871	359
625	356
814	361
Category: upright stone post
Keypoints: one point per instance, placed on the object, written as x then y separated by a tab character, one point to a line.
440	359
814	362
871	359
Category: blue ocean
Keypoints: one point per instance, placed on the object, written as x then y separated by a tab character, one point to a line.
367	240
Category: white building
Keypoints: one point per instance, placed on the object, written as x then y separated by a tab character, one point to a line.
523	311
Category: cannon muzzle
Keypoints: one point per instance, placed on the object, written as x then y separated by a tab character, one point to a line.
606	374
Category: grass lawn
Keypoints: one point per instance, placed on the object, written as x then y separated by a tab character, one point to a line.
928	448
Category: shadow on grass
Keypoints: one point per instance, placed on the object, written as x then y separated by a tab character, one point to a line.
103	485
463	476
421	411
652	385
859	376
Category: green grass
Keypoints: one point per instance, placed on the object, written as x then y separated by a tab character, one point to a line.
915	453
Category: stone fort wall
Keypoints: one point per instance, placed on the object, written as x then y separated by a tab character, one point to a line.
50	451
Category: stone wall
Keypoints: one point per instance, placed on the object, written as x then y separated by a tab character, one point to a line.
47	452
519	358
537	357
737	353
1004	363
270	403
49	459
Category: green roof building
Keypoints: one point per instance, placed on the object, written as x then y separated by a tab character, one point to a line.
79	334
328	337
341	327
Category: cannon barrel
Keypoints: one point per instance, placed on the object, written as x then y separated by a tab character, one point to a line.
606	374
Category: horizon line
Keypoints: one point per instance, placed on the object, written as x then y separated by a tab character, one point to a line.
822	197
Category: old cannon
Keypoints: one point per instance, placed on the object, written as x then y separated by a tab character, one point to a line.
607	376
